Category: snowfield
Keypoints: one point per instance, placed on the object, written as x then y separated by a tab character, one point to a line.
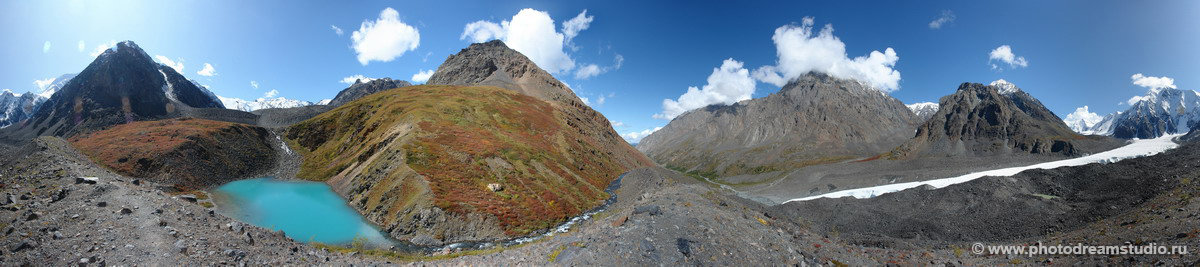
1139	148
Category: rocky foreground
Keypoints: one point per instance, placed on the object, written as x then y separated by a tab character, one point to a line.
51	217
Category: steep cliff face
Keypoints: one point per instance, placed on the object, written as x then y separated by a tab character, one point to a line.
995	119
440	164
493	63
812	120
192	153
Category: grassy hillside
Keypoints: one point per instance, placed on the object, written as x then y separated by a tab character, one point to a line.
397	153
189	152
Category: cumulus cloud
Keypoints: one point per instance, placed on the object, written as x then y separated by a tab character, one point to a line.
207	71
617	124
254	84
1082	116
354	78
482	31
178	66
572	27
1153	84
422	76
82	46
634	137
46	47
271	93
802	50
384	39
727	84
336	30
947	16
532	33
1004	54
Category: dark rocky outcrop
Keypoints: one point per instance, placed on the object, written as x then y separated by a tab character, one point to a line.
985	120
361	89
814	119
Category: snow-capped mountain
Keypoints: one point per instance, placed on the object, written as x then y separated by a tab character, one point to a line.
1082	120
262	103
56	84
1159	112
1005	86
924	110
15	108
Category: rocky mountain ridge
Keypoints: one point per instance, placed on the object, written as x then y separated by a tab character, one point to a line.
812	120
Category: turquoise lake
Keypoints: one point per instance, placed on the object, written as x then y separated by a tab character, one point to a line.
305	211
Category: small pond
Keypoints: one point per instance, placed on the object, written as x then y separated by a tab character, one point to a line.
305	211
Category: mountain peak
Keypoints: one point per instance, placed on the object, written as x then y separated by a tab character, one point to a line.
1004	87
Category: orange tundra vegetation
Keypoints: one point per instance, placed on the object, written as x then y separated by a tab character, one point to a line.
463	139
188	152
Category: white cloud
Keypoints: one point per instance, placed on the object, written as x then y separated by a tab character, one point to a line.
178	66
42	84
352	78
603	98
336	30
726	85
588	71
482	31
82	45
634	137
422	76
618	61
617	124
1154	84
254	84
946	17
271	93
385	38
572	27
1004	54
207	71
586	101
532	33
46	47
100	48
801	50
1084	117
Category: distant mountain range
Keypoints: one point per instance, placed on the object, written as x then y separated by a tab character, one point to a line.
1160	112
265	103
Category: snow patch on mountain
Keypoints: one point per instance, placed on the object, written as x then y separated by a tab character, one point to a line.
1005	86
923	110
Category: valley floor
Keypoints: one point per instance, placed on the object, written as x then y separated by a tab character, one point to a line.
660	218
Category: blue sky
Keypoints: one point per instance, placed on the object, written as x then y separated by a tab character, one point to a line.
1076	52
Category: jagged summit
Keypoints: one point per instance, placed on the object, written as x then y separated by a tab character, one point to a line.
360	89
494	63
996	119
121	85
